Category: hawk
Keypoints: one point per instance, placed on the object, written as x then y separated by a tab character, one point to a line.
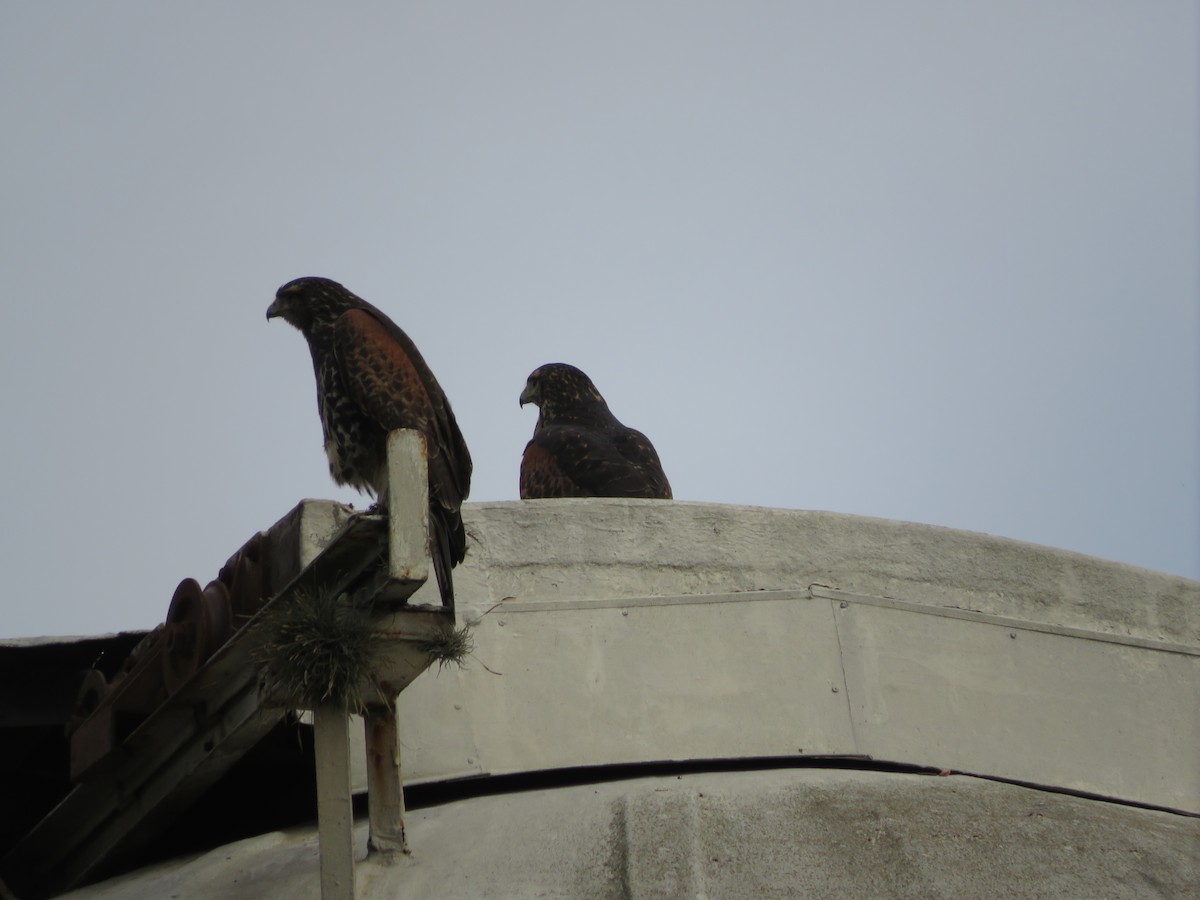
579	448
371	379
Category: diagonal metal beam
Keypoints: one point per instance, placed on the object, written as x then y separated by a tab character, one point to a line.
196	735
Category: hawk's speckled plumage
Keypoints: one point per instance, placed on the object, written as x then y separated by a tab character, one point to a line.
371	379
579	448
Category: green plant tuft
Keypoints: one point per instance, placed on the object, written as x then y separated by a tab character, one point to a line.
453	646
319	650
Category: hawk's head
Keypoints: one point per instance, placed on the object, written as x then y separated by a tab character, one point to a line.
562	391
310	302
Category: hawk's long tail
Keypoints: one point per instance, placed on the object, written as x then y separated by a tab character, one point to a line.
443	557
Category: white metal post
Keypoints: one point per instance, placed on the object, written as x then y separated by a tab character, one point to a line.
335	804
408	506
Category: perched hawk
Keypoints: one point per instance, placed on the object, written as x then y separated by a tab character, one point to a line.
370	380
579	449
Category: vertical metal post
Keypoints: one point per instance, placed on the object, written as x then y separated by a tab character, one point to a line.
335	805
385	786
408	560
408	506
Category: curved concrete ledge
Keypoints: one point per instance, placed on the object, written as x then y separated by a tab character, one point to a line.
539	550
797	833
629	631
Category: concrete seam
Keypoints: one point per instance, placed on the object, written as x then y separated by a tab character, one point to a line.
677	600
696	850
970	615
837	630
622	848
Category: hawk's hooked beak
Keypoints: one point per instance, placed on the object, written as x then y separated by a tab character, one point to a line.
275	310
529	395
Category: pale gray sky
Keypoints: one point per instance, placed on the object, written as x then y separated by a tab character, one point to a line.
934	261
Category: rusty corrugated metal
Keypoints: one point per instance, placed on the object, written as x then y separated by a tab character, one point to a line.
198	622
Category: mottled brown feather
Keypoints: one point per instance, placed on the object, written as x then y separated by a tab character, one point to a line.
579	448
371	379
541	477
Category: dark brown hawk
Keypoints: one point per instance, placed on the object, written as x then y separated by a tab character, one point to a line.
579	449
371	379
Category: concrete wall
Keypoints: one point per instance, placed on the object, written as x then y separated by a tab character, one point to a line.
640	630
628	631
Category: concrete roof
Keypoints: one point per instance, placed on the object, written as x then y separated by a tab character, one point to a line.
633	630
797	833
629	631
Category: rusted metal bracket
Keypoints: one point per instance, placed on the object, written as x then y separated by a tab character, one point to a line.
385	783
